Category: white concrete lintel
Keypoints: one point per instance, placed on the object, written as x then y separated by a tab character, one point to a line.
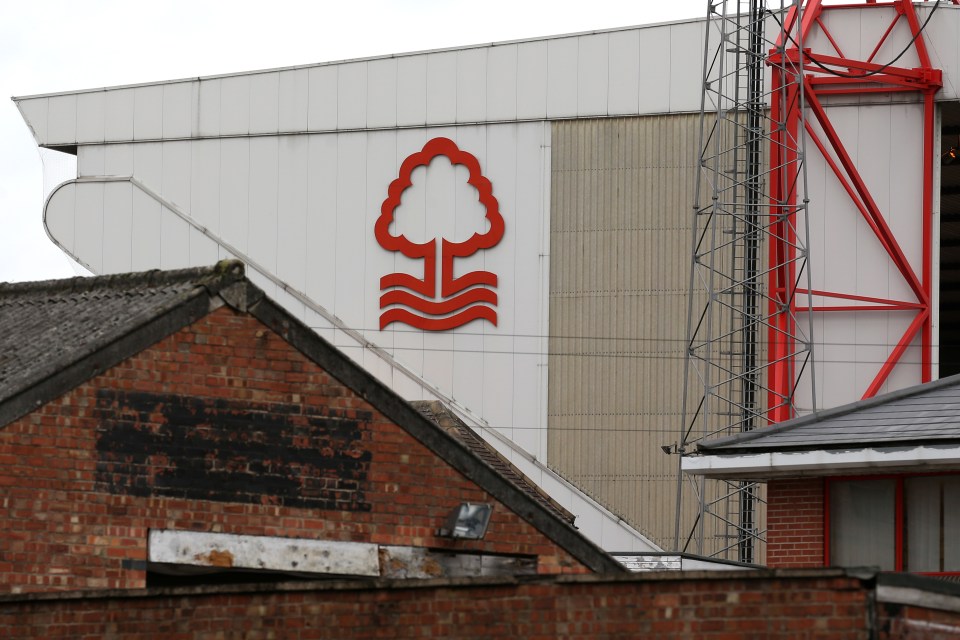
265	553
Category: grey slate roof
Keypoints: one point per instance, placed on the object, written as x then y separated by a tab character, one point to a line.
924	414
57	334
48	328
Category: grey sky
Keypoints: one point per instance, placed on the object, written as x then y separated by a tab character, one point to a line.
58	45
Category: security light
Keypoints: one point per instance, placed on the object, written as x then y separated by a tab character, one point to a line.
467	520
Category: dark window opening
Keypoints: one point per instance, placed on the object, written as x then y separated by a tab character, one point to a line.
949	322
901	523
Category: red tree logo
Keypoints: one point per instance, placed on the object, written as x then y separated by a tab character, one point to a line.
460	300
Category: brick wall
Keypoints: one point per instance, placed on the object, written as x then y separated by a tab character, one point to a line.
900	622
221	427
824	604
795	523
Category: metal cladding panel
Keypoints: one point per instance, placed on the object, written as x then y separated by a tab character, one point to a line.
382	93
148	113
294	93
623	96
264	106
62	119
618	286
303	209
90	120
501	83
441	99
472	85
592	74
593	77
178	101
352	95
848	258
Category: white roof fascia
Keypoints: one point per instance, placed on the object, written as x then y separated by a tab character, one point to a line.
548	69
820	462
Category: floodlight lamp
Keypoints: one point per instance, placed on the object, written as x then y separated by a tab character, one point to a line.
467	520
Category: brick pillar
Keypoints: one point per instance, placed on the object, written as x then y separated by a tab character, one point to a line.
795	522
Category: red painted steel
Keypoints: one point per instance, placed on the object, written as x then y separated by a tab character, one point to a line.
422	295
834	73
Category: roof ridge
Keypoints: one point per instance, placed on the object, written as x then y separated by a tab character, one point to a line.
216	277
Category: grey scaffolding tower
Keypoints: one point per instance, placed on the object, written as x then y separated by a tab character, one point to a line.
749	254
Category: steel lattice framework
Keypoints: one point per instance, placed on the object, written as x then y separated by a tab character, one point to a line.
751	301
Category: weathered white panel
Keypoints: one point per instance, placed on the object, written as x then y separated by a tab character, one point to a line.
90	116
382	168
145	248
593	78
292	211
294	88
178	102
321	219
468	360
264	105
118	160
235	105
145	245
502	83
686	65
118	117
117	226
623	88
322	113
411	90
209	116
62	120
905	186
203	250
265	553
382	93
148	163
148	112
472	85
562	67
351	232
176	162
442	87
91	160
34	112
264	160
234	191
526	420
352	95
88	228
532	80
205	183
174	241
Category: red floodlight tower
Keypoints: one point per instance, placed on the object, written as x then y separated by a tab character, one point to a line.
771	74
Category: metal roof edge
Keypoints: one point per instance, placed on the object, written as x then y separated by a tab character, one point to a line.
405	54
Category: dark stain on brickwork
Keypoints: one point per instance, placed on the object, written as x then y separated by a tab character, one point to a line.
228	451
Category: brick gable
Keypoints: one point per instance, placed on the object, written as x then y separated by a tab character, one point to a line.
222	427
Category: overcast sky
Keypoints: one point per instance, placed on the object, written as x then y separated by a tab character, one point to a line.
48	46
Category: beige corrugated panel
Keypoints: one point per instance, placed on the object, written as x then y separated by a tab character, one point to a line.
622	191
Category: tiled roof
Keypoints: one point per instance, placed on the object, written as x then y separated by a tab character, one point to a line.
923	414
46	327
449	422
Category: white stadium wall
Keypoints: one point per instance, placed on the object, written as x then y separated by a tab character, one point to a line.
289	169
